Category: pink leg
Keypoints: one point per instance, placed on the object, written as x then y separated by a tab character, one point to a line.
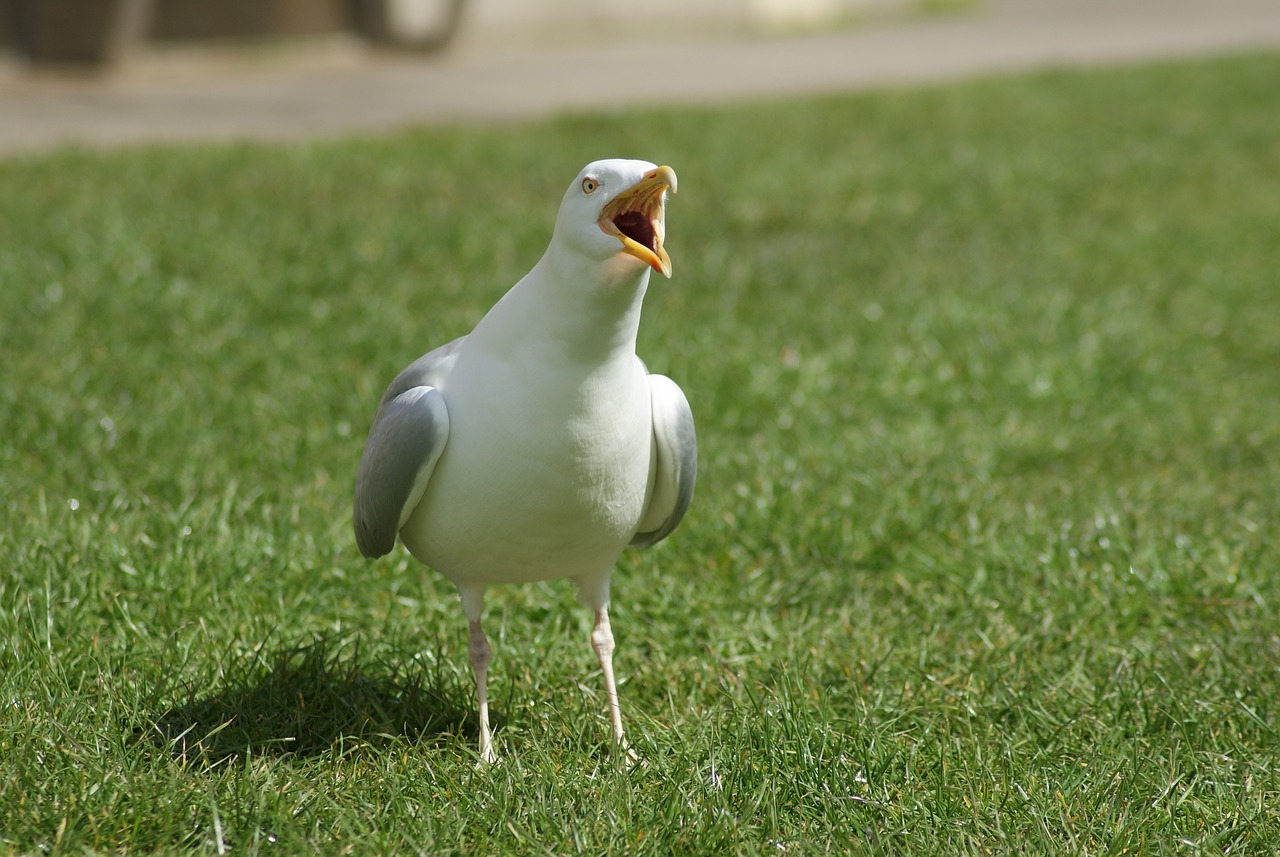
602	642
478	649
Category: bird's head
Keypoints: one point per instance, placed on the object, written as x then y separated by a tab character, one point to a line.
617	208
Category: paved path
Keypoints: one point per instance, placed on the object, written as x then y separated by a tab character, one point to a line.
355	90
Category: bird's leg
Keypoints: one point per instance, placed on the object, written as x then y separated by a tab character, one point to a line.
602	642
478	649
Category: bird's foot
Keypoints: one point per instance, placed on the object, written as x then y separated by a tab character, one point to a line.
488	759
627	755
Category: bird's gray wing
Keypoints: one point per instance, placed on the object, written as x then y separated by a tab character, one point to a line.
676	448
426	371
406	439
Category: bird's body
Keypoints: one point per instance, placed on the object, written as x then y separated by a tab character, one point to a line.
569	488
538	446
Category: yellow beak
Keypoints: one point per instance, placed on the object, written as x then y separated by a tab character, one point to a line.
635	217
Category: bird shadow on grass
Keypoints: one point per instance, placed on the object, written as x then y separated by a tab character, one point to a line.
308	699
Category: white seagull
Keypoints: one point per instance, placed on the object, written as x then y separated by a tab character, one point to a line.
538	446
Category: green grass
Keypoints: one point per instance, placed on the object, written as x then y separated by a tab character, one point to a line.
983	557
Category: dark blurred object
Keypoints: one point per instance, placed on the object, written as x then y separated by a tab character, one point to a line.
200	20
76	32
98	32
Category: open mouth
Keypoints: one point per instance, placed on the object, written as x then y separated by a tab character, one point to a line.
634	217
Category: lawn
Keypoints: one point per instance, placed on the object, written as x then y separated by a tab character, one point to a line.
983	556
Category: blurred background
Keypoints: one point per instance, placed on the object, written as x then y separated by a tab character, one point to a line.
103	72
95	33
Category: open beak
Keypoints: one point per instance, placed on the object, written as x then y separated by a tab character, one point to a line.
635	218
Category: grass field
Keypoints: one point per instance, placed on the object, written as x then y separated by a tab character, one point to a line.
983	557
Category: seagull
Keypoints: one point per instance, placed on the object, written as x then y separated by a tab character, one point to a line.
538	446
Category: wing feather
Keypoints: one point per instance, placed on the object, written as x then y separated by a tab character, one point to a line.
406	440
676	469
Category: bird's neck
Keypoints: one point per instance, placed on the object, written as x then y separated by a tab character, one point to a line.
587	311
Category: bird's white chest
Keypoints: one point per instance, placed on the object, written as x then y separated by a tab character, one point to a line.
546	472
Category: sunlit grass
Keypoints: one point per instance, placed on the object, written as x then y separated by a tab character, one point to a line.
983	552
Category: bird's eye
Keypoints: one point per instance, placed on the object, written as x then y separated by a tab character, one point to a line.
589	185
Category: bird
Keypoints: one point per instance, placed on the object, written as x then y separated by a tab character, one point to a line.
538	446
